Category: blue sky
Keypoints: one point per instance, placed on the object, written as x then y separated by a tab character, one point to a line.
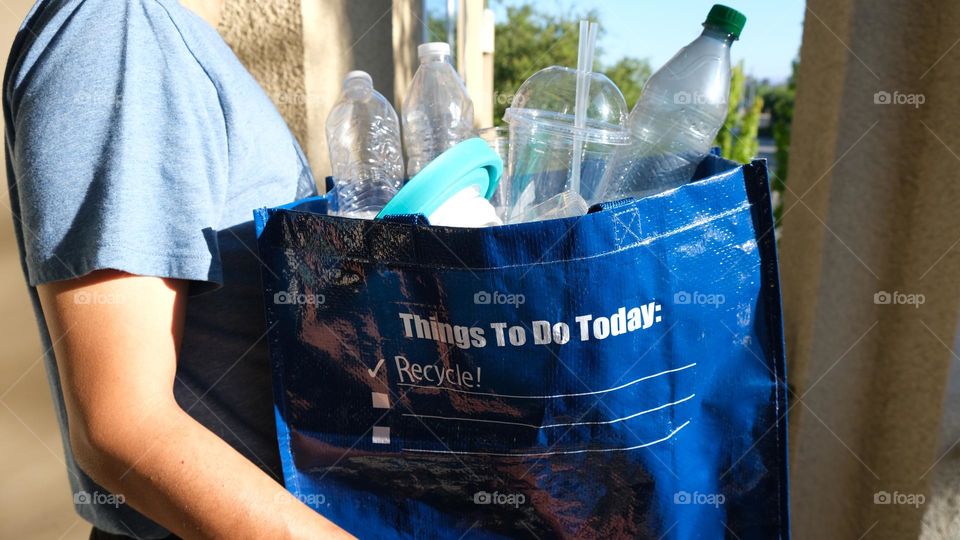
655	29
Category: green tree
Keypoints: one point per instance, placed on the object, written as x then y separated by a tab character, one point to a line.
737	137
629	74
725	137
780	101
746	145
437	30
530	40
781	117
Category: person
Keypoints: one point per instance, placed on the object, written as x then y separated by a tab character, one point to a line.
137	147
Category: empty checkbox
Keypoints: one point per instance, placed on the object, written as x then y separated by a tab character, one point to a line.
381	435
380	400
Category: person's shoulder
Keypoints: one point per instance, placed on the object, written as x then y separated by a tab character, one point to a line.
90	35
101	18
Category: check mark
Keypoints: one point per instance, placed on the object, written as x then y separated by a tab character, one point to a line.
373	372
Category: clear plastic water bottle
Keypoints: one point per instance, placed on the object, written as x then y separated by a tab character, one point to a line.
363	136
682	107
437	112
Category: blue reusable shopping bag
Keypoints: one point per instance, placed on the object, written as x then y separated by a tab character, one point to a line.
617	375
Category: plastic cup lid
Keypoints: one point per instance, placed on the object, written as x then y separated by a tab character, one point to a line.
562	125
547	101
433	48
471	163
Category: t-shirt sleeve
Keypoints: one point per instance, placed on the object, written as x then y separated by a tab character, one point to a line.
119	148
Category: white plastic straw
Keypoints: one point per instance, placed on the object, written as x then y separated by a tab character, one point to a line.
588	39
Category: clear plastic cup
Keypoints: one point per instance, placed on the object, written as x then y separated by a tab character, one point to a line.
499	139
562	205
546	144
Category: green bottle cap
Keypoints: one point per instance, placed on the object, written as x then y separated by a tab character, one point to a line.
726	19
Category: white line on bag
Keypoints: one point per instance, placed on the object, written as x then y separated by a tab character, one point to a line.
557	452
534	426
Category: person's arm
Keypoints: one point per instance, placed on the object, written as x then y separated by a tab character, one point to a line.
116	337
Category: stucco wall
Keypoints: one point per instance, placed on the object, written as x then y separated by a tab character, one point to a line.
370	34
268	39
872	209
299	51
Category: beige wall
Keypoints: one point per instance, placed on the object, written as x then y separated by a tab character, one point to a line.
300	50
268	39
368	36
872	208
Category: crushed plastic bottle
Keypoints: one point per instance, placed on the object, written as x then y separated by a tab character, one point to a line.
363	137
679	113
437	112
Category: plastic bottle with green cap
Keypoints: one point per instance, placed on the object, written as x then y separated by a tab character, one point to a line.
679	112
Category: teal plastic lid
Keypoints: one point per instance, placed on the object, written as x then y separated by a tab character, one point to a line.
471	163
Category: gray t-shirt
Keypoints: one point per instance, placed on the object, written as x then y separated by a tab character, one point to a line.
135	140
